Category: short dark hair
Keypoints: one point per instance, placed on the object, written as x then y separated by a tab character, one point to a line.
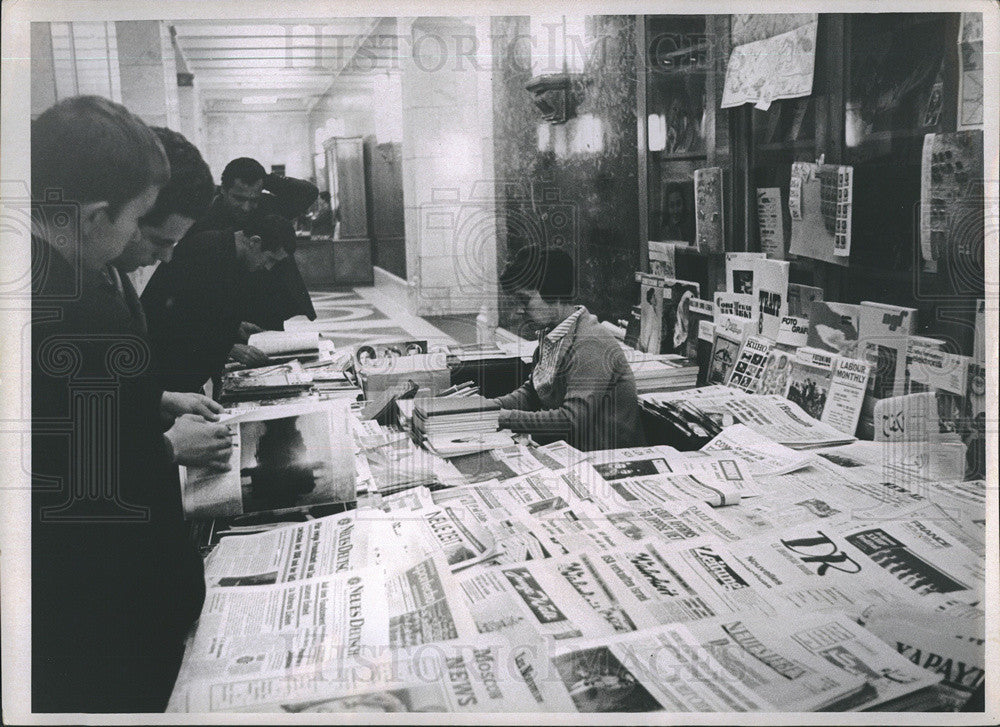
275	232
246	169
325	196
547	270
190	189
91	149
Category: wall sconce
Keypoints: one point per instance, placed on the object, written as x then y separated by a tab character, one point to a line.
558	50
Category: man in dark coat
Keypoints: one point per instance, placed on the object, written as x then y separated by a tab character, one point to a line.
279	293
116	585
194	304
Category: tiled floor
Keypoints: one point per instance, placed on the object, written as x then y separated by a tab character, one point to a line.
368	315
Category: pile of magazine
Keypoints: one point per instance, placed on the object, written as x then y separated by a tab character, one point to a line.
837	362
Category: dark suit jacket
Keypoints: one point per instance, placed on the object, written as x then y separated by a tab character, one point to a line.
275	295
194	306
116	584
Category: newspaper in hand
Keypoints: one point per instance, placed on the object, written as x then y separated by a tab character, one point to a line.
283	456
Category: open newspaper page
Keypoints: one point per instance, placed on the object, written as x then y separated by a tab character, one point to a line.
947	642
820	662
760	454
783	421
474	674
498	464
553	489
669	523
519	534
586	595
911	464
663	669
345	542
771	415
851	566
718	482
283	456
272	630
440	528
316	548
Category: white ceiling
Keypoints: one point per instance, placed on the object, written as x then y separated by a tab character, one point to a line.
293	61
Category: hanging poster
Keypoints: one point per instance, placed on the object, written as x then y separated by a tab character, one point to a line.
970	75
770	69
708	209
770	222
951	195
820	197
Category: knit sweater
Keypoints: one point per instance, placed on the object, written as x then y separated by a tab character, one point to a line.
592	403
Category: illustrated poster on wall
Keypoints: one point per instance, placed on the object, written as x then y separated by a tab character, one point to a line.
708	209
970	75
770	69
819	200
951	195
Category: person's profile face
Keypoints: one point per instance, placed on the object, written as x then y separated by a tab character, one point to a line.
109	236
242	198
531	306
155	242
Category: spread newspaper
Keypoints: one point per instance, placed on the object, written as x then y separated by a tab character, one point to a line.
776	569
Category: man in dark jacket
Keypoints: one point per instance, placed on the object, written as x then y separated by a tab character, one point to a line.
194	304
279	293
116	585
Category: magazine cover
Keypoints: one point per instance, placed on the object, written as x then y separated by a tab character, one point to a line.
394	349
801	297
739	271
793	332
739	305
774	377
698	310
809	380
834	327
675	318
749	368
633	327
662	259
770	295
651	315
846	395
703	352
726	343
883	331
